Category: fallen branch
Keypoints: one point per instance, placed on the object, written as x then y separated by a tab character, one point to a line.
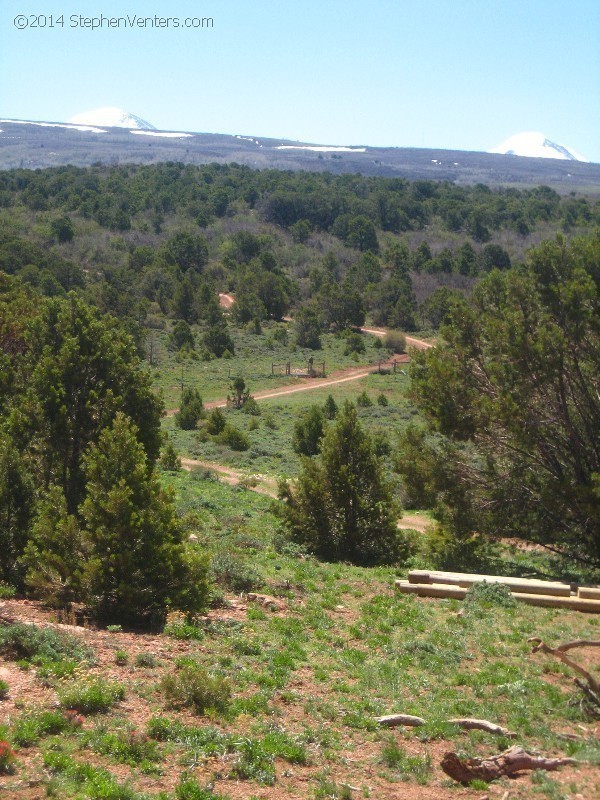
395	720
558	652
562	648
507	764
482	725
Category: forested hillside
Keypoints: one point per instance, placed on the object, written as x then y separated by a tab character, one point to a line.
234	406
139	242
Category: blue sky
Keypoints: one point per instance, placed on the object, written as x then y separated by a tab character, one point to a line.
465	74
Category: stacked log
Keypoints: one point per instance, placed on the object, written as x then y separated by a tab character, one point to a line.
550	594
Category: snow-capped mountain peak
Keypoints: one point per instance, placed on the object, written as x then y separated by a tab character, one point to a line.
111	117
536	145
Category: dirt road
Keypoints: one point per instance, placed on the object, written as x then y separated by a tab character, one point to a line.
310	384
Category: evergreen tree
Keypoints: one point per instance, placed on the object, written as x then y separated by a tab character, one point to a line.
16	505
184	306
191	409
342	507
55	554
330	408
308	432
139	567
80	369
308	328
515	389
181	336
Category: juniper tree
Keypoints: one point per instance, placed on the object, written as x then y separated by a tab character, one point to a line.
139	567
342	507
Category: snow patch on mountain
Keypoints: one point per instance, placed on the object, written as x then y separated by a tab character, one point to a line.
534	144
84	128
111	117
165	134
322	148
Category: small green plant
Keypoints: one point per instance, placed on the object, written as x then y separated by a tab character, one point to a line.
191	686
29	728
3	690
6	592
251	407
114	628
409	767
121	658
179	628
489	595
130	747
189	789
92	782
363	400
330	408
146	660
382	400
91	695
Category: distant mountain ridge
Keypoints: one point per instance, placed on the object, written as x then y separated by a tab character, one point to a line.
113	136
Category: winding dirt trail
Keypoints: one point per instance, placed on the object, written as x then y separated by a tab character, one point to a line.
264	484
267	485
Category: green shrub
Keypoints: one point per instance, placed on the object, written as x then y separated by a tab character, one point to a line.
30	642
409	767
3	690
363	400
395	341
231	572
251	407
146	660
91	695
382	400
490	595
191	686
234	438
29	728
121	658
216	422
94	783
169	459
130	747
355	343
6	592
